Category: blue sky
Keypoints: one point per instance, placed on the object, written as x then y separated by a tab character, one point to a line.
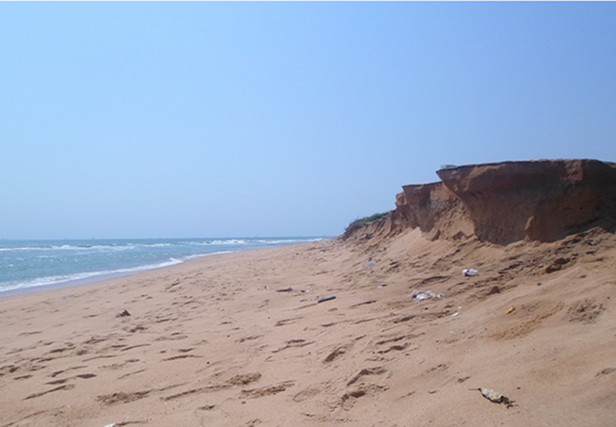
281	119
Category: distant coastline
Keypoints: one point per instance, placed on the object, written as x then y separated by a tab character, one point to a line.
28	266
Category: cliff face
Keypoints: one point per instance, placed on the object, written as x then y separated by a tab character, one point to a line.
435	209
541	200
501	203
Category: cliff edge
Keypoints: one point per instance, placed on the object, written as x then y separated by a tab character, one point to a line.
501	203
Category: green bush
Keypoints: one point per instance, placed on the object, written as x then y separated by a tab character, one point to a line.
358	223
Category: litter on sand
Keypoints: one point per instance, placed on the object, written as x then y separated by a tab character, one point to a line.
424	295
326	299
370	264
494	396
469	272
510	309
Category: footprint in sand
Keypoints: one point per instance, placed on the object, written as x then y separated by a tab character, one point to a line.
42	393
290	321
250	338
73	368
335	354
268	390
8	369
605	371
244	379
131	373
377	370
134	346
585	311
62	381
293	344
208	389
22	377
121	397
348	399
176	336
308	393
181	356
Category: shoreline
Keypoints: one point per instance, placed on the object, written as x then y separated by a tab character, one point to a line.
25	288
113	279
99	278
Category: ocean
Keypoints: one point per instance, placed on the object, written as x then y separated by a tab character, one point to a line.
29	265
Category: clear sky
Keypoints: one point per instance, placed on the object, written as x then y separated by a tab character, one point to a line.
281	119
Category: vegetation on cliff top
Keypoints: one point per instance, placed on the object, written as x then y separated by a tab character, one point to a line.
359	223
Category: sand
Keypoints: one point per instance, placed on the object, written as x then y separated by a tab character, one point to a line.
241	339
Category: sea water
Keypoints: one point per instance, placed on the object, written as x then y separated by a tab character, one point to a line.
31	265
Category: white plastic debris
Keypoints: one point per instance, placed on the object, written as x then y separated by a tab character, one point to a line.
469	272
495	396
424	295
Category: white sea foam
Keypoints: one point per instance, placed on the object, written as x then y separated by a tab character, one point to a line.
261	241
283	241
66	248
204	255
25	248
227	242
62	279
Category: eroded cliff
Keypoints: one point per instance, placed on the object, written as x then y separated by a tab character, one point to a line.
542	200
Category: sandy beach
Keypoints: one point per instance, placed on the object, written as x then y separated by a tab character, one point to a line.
242	339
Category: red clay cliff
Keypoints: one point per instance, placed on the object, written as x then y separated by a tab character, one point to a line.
501	203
